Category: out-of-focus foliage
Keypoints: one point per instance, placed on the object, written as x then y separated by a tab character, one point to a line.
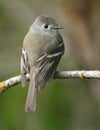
64	104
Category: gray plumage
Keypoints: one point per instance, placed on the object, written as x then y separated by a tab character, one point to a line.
42	50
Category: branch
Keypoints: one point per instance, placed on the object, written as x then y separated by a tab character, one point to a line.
58	75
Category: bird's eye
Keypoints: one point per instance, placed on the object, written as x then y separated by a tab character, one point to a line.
46	26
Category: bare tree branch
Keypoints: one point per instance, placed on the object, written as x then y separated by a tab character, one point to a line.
78	74
4	85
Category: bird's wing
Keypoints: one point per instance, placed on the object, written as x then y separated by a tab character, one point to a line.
24	66
46	65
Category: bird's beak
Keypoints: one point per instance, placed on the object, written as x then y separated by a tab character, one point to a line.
58	27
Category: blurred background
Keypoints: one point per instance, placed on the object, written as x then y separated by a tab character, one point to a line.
64	104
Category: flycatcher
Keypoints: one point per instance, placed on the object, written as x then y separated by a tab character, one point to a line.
42	49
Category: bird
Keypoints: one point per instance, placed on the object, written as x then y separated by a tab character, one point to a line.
42	50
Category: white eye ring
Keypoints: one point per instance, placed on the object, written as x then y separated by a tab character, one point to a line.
45	26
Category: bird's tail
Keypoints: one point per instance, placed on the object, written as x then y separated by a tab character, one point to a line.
31	97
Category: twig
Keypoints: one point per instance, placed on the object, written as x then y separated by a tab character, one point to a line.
95	74
58	75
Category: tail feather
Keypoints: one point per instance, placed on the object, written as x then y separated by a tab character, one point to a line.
38	79
31	97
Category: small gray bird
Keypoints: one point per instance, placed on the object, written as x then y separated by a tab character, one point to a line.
42	49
